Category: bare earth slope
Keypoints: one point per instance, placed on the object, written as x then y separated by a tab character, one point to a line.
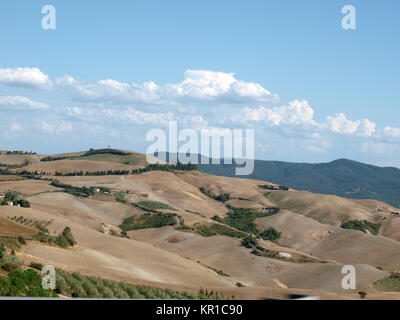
346	246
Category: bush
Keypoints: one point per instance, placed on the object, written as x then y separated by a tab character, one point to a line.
105	292
90	289
11	196
223	197
38	292
24	283
270	234
9	266
21	240
37	266
131	291
120	197
23	203
61	284
67	235
242	219
76	288
63	240
4	286
3	252
249	242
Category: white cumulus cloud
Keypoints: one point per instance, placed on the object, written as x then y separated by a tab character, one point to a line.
297	113
340	124
392	132
28	77
21	103
197	86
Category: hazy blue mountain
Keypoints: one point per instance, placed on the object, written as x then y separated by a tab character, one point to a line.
342	177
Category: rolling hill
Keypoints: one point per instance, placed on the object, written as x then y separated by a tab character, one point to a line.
174	227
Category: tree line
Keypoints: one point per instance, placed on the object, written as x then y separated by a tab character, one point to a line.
150	167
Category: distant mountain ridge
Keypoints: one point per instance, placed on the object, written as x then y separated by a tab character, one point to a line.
342	177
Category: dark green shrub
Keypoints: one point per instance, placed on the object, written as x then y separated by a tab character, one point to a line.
4	286
223	197
362	226
23	203
90	289
21	240
38	292
61	284
249	242
270	234
9	266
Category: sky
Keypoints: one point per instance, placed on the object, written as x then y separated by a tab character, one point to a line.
111	71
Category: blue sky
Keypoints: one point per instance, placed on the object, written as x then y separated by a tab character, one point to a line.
111	71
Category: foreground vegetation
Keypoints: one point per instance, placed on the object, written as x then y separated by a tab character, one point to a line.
391	284
13	280
19	283
80	286
28	283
